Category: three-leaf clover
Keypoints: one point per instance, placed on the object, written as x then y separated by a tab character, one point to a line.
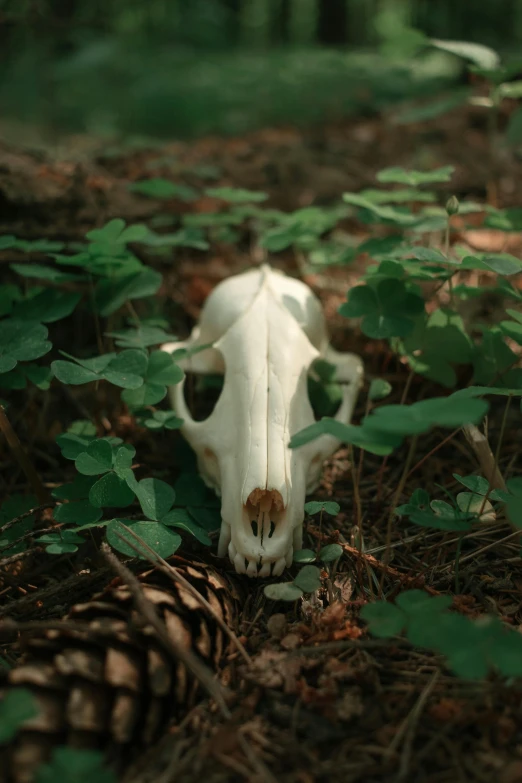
161	371
156	499
125	369
113	465
21	340
388	309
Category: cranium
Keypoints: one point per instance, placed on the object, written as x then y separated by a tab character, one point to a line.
265	330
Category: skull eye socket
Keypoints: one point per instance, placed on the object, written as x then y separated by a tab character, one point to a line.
324	393
203	390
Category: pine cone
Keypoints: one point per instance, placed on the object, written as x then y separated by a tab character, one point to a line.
111	685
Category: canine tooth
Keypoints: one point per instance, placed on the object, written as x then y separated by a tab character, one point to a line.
264	571
279	567
252	568
224	539
232	551
239	563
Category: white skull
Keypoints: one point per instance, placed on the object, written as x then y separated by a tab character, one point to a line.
265	329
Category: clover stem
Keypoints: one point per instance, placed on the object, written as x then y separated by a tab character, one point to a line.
23	460
502	429
395	501
446	253
457	563
99	340
320	532
355	480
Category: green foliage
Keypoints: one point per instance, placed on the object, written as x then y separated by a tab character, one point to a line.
388	308
308	580
156	499
472	649
401	176
236	195
16	707
327	554
164	189
415	419
11	509
143	376
437	343
141	336
301	229
21	340
71	765
379	389
161	371
105	480
318	506
374	441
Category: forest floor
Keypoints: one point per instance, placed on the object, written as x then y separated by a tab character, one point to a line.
321	700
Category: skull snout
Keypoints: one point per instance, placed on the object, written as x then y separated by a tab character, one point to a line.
262	545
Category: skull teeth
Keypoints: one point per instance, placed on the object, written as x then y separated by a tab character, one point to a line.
253	568
264	571
279	566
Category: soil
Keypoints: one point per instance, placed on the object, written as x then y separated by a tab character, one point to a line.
321	700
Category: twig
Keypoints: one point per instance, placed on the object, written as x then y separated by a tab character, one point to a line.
26	514
432	452
5	561
175	575
396	497
387	569
23	460
410	725
489	466
187	657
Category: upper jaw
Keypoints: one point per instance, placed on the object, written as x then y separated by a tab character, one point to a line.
255	559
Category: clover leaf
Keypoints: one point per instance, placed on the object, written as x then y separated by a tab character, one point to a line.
21	340
17	707
317	506
125	369
492	357
452	411
160	188
236	195
47	306
401	176
161	371
160	538
513	329
379	389
388	309
74	765
381	443
434	346
419	501
111	294
142	337
62	543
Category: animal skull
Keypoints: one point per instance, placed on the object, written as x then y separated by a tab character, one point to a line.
265	330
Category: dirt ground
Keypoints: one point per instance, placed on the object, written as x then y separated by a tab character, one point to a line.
321	699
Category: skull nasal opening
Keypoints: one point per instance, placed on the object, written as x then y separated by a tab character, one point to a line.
265	508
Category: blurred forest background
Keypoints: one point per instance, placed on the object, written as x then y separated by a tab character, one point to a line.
189	67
